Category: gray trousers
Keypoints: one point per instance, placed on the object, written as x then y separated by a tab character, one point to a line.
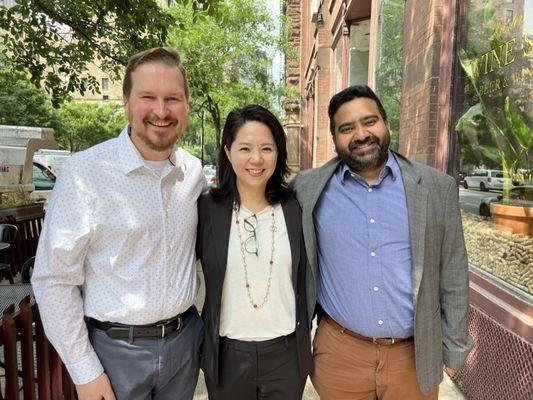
152	368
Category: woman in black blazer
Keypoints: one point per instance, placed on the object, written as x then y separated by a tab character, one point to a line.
250	243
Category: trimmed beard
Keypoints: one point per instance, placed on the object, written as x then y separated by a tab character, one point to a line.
369	160
160	145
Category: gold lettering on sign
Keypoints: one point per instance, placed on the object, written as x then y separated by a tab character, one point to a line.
509	51
492	60
528	39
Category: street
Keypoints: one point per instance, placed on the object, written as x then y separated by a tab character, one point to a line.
469	199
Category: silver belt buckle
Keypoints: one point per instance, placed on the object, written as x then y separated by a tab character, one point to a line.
162	330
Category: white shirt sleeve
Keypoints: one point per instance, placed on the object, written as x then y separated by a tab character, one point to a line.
59	273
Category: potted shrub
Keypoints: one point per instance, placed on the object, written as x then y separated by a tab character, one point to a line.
513	140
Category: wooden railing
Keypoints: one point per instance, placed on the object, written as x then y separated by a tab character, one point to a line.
33	370
29	221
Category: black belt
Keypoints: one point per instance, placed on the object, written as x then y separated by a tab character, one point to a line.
160	329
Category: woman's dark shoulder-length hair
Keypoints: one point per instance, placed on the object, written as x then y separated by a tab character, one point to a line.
276	189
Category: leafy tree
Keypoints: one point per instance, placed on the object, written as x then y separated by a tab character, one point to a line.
54	41
191	139
390	64
228	58
85	124
21	103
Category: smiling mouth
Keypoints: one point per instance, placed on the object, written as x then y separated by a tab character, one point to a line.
255	172
160	124
364	147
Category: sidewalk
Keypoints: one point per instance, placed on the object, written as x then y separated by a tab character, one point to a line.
447	391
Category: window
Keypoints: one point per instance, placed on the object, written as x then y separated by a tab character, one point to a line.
105	97
486	138
359	52
338	68
105	84
509	1
389	61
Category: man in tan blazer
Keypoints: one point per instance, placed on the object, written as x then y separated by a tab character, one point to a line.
385	243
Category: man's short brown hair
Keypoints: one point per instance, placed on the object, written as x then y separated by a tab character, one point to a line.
165	55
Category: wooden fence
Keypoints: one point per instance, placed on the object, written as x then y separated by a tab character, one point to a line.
32	368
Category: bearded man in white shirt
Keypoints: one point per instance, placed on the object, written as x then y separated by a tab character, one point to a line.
117	249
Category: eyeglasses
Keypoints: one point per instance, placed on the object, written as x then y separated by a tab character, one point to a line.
251	245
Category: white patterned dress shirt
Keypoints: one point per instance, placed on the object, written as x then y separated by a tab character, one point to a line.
117	245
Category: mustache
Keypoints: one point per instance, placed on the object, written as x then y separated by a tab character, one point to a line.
354	144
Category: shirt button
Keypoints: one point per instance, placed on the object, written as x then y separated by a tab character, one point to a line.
376	289
380	322
369	190
170	248
372	220
373	253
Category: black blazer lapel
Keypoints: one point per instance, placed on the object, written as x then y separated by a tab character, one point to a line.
293	222
221	226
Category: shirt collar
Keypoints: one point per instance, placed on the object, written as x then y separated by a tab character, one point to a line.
391	167
131	157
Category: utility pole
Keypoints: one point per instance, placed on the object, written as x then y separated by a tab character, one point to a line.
202	137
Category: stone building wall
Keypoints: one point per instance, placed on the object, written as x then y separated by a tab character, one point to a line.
291	107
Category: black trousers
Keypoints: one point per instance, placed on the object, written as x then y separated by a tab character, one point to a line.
265	370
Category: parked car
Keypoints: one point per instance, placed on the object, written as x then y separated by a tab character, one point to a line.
518	196
44	180
51	159
210	176
486	179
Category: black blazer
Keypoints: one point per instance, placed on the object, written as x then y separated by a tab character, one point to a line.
212	249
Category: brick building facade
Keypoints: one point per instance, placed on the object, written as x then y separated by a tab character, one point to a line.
325	45
456	79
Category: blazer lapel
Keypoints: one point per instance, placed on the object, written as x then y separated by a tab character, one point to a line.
417	199
311	194
221	225
294	227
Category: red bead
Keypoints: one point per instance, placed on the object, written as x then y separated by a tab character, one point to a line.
237	221
271	262
247	285
255	305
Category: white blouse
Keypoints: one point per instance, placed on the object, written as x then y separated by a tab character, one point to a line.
277	317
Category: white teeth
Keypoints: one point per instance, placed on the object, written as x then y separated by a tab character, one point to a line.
160	124
255	171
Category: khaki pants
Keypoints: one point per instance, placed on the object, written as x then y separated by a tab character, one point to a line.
346	368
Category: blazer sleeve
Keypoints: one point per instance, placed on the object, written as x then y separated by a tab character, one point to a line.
454	285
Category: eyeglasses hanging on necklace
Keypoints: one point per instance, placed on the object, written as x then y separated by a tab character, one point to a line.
251	244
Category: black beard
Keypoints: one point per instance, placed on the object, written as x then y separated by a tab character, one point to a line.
367	161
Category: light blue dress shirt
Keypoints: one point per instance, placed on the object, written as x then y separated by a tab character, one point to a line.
364	253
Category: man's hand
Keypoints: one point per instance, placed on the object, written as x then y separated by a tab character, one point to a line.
450	371
98	389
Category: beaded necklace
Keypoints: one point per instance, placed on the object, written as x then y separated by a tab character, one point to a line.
245	265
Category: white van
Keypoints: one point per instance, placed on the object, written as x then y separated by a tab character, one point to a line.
486	179
51	159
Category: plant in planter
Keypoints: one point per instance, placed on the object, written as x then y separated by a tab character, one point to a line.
513	140
512	136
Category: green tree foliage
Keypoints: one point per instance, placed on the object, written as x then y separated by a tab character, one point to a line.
21	103
192	142
228	57
389	63
54	41
84	124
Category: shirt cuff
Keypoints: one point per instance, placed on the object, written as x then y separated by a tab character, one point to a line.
86	370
